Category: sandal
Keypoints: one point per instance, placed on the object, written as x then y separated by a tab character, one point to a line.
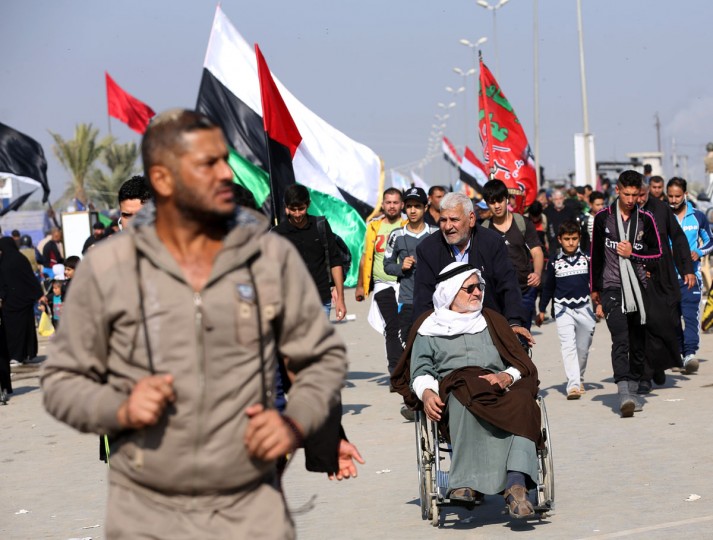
518	505
463	494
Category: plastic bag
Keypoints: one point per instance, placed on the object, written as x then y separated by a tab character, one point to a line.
45	328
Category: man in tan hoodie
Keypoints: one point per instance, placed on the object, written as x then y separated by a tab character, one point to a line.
170	347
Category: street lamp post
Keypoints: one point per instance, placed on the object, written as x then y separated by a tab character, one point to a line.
494	9
464	75
474	46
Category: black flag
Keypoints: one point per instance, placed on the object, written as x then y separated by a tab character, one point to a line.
17	203
22	157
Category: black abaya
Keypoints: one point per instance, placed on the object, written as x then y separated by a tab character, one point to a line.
663	310
19	291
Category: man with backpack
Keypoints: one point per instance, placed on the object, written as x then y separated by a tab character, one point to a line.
400	255
318	246
522	242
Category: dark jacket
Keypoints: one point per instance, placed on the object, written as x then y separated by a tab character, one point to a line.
488	254
676	252
663	324
605	236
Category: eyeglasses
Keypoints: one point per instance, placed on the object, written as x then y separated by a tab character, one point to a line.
470	288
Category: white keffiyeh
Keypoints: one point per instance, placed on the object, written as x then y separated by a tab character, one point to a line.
445	322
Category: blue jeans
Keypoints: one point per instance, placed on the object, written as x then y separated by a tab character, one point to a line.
528	305
327	308
691	312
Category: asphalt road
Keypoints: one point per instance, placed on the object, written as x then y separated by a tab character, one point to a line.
643	477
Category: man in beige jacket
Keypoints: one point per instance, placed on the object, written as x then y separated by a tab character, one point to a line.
170	343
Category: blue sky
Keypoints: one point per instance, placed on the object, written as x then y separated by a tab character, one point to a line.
377	69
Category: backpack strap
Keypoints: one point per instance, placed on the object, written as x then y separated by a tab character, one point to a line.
519	223
322	232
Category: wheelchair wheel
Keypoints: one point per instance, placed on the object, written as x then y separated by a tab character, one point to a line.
435	513
546	480
424	462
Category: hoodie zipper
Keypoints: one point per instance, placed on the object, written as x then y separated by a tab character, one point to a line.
198	303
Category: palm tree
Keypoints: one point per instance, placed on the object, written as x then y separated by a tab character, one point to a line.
120	159
78	155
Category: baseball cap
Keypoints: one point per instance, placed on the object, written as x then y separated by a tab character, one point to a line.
416	194
482	205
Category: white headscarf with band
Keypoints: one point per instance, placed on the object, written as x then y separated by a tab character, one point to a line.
445	322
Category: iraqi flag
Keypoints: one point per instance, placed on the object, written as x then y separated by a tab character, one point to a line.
125	107
22	158
505	145
472	171
449	152
344	177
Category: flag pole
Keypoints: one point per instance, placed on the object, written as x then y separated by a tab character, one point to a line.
106	86
489	127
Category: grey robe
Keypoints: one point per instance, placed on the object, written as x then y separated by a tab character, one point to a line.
482	453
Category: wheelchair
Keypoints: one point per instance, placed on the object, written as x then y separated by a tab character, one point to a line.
431	451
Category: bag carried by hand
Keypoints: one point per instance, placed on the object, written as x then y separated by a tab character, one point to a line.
45	328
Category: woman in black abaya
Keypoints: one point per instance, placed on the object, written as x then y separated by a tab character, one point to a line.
19	291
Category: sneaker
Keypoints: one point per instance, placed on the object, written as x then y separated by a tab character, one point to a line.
34	361
644	387
408	414
690	364
627	407
15	363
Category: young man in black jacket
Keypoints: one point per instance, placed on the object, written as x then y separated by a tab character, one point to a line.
301	229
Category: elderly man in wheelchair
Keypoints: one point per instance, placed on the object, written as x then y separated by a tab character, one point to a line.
468	369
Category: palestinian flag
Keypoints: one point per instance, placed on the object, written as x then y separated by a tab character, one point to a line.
449	152
472	171
505	145
344	177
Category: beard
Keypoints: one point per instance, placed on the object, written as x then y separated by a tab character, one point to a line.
188	205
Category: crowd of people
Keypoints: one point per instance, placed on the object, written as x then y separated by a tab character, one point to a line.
201	323
630	255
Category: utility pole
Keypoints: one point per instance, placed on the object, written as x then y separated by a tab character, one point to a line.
585	112
536	76
658	131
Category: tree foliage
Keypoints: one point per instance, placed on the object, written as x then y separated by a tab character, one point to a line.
102	186
98	167
80	154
